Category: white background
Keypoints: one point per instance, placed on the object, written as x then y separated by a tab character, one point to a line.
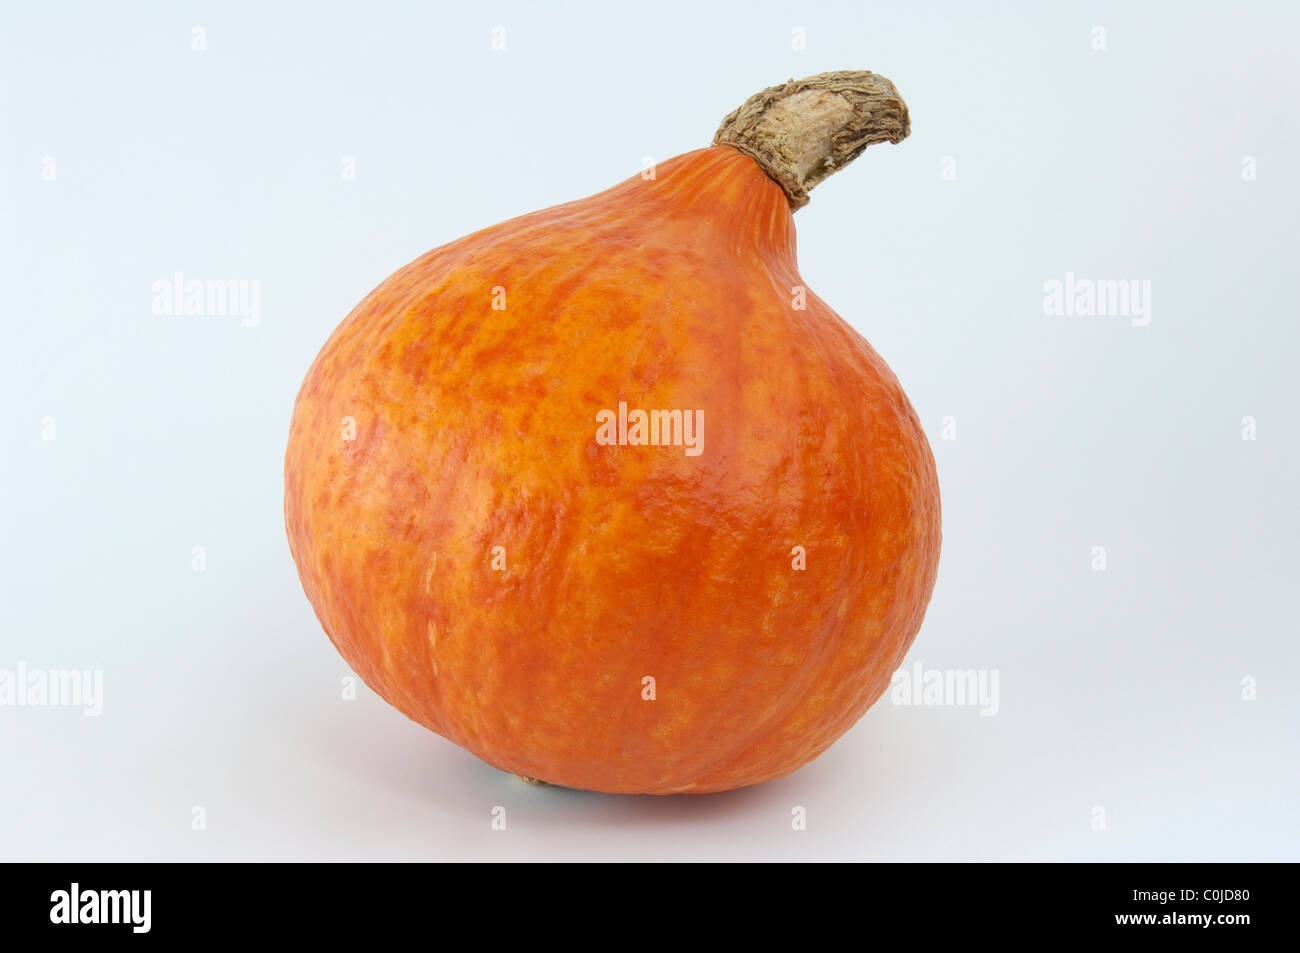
1119	689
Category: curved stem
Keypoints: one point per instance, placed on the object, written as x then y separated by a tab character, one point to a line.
805	130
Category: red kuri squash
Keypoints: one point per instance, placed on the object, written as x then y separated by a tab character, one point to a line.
605	495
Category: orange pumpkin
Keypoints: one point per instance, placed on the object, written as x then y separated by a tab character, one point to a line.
509	534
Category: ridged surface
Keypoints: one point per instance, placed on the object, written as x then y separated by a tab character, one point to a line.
475	428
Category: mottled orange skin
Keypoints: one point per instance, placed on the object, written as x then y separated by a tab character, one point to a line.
476	428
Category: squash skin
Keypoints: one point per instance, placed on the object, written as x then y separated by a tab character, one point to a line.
475	428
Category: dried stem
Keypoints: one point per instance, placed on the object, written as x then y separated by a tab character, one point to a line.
805	130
